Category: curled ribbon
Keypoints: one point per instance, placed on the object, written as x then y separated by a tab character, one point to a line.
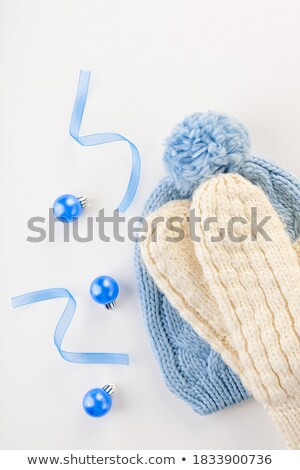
103	138
63	324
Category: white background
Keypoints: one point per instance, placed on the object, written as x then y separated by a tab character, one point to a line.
152	63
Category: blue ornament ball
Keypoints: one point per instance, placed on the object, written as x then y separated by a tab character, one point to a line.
104	290
66	208
203	145
97	402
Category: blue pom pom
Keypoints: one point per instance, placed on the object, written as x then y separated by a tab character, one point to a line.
203	145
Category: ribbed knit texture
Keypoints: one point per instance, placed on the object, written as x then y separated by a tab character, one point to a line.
178	273
256	284
190	367
282	189
181	370
184	357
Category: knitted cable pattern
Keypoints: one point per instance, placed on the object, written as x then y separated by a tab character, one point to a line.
178	273
190	367
173	265
256	284
190	148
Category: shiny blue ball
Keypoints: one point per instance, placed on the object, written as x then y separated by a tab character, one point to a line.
97	402
104	290
66	208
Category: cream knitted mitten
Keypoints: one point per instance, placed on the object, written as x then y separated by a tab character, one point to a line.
256	283
240	296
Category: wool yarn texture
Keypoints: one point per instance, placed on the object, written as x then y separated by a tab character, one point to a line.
256	282
191	369
186	279
193	359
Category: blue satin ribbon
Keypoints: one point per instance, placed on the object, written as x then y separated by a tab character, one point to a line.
103	138
63	324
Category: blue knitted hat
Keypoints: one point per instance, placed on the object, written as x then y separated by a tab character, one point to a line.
203	145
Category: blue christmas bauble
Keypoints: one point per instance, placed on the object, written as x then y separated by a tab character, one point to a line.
104	290
97	402
66	208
